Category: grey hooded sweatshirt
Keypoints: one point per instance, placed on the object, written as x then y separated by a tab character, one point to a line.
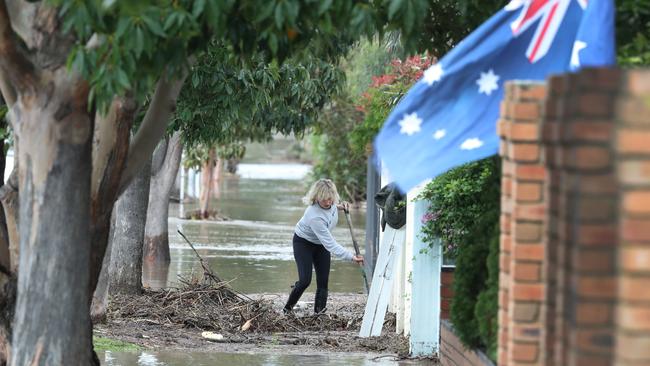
315	226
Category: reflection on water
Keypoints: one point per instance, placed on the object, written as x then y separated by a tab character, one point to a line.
273	171
240	359
254	249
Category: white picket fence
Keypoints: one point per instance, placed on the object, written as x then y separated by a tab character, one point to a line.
407	282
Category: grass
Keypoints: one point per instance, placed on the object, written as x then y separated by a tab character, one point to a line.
108	344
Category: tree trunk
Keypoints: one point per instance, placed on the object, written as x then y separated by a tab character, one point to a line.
9	198
216	178
206	185
7	307
110	149
154	275
156	237
51	323
125	271
8	279
4	235
100	295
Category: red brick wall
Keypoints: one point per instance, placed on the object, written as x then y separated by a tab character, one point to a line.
454	353
446	291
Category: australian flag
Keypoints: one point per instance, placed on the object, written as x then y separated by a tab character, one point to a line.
449	116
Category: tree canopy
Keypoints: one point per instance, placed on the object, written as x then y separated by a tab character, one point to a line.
122	45
228	101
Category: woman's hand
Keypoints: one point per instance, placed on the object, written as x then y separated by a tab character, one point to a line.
358	259
343	206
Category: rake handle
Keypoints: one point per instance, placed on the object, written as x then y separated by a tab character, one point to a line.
356	249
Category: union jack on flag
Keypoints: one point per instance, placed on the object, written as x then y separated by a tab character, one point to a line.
449	116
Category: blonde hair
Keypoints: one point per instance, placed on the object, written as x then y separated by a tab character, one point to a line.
320	190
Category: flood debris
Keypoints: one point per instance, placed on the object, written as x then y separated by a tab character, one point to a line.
210	315
215	306
212	336
181	317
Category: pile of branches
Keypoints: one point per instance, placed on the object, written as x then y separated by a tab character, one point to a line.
213	305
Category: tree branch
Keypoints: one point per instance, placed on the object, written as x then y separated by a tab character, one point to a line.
173	153
19	70
110	150
158	158
153	126
166	176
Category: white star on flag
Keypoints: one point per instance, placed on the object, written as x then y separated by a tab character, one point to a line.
410	124
439	134
471	144
575	57
514	5
433	74
487	83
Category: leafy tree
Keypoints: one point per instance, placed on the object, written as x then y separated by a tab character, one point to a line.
346	130
250	102
73	73
336	158
446	23
633	32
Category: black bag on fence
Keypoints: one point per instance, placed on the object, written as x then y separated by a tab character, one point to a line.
392	203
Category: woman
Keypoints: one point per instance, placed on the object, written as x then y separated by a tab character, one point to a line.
313	243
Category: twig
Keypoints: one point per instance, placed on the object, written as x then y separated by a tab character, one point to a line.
206	269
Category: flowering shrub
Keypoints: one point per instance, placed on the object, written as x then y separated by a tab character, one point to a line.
346	128
383	94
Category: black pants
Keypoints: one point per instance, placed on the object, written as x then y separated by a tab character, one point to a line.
308	254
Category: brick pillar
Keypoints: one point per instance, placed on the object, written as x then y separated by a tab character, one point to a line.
584	222
555	239
551	268
633	158
523	208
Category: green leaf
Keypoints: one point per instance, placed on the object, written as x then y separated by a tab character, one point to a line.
273	43
123	79
122	25
198	7
291	10
279	19
265	11
154	26
324	6
139	41
195	79
79	61
169	22
409	18
394	7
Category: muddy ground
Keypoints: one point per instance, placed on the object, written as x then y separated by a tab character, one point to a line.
176	319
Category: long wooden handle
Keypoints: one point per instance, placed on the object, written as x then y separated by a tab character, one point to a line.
356	250
354	241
